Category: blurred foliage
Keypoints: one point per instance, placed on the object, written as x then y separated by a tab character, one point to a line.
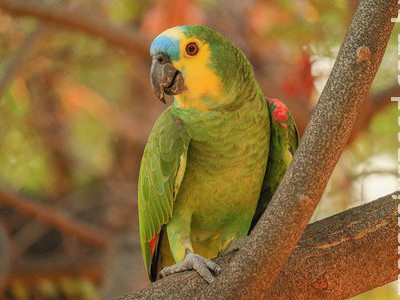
66	288
92	80
23	159
307	22
387	73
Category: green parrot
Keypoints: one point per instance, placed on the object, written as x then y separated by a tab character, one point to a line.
213	159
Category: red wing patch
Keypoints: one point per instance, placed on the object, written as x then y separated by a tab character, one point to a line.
178	122
280	111
153	244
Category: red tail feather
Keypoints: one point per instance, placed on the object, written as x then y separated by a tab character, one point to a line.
153	244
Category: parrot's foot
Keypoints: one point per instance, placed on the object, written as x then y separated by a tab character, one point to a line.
234	245
194	262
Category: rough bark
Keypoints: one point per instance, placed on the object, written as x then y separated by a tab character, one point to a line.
256	266
337	257
343	255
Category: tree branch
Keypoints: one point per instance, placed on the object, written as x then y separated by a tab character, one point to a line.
56	219
256	266
337	258
343	255
72	19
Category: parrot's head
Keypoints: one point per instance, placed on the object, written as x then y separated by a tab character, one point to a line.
201	68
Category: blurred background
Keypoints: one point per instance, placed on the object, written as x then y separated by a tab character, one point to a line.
76	108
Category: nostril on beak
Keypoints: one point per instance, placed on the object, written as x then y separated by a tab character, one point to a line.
162	59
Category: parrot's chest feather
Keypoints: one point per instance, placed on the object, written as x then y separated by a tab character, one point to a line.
226	163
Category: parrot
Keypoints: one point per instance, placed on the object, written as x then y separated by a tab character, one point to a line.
213	159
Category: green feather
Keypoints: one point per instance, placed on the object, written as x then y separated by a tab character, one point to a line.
161	173
283	144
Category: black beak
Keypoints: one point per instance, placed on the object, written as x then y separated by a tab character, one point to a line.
165	79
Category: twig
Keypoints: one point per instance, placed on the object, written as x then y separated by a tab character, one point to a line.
56	219
18	58
73	19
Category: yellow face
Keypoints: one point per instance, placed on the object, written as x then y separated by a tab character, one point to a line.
203	86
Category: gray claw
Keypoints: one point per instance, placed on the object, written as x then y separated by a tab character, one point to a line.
194	262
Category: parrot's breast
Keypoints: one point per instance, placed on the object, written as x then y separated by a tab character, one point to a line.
225	168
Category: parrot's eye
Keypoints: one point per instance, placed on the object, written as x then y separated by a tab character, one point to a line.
192	49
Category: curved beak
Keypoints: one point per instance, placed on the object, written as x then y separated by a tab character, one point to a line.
165	79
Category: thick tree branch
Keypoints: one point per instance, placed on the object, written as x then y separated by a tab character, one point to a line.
55	219
256	266
75	20
343	255
337	258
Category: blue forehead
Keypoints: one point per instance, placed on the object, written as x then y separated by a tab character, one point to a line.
165	44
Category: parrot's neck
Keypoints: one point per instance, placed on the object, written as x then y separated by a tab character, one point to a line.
202	126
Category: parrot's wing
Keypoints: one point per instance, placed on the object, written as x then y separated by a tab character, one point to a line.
283	144
161	173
